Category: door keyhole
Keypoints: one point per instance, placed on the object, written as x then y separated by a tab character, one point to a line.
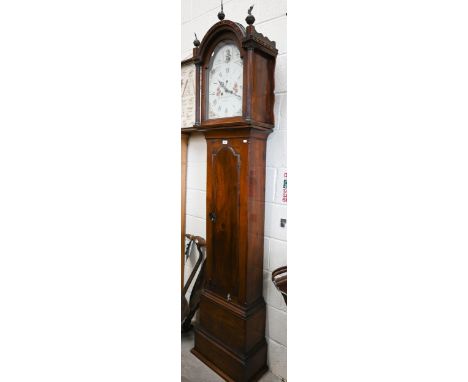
212	217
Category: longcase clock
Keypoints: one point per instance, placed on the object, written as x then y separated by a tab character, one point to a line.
234	67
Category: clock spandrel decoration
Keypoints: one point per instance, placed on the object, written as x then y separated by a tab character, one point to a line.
234	98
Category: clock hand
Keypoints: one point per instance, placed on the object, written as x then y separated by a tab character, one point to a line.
227	90
231	92
222	84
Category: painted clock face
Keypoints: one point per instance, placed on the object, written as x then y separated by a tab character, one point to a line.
224	78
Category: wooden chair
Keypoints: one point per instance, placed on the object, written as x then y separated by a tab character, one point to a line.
188	308
280	280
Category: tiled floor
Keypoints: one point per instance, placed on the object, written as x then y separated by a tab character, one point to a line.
194	370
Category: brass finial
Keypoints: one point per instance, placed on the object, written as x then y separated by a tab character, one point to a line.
250	19
221	14
196	42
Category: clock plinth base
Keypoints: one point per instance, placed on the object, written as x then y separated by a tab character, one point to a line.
231	338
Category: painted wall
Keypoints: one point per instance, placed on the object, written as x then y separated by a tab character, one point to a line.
198	16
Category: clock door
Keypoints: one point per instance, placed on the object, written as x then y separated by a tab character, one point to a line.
223	220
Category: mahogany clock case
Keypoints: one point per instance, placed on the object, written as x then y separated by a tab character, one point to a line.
230	337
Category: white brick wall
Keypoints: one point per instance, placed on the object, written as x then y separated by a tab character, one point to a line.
198	16
196	185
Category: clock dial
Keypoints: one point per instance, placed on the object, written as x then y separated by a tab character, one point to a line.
224	77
